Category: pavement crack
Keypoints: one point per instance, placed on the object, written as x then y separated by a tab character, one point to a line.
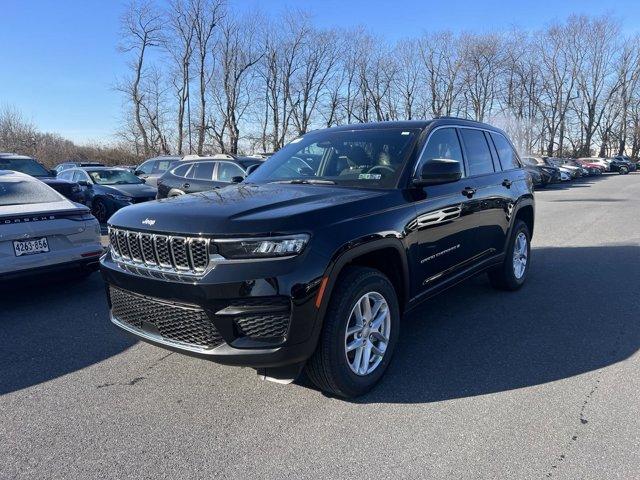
136	379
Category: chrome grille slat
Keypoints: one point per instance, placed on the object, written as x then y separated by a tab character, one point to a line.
158	252
123	245
135	249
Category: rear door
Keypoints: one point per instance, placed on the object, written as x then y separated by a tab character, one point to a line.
200	177
489	201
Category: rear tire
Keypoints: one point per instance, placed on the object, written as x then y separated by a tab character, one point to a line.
512	274
334	369
623	170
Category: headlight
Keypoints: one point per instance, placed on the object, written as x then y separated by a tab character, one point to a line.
121	198
267	247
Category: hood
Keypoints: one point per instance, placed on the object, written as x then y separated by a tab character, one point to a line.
254	209
137	190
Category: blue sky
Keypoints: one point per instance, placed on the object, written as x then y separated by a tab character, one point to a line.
59	62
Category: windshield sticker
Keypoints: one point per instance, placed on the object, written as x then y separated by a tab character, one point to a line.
369	176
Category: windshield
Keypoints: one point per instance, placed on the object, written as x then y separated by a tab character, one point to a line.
363	157
113	177
19	192
24	165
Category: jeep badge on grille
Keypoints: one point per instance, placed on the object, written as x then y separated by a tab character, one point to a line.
149	221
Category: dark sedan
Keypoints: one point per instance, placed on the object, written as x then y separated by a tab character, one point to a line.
30	166
108	189
204	174
541	173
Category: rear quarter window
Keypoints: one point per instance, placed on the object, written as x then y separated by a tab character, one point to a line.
506	154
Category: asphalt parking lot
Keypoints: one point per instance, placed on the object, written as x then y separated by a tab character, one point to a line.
539	383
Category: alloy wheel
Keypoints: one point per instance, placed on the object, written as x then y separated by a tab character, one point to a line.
367	333
520	255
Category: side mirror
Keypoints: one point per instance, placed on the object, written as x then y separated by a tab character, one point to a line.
237	179
138	172
143	180
84	183
53	173
438	171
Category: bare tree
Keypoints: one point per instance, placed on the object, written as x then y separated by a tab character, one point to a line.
205	14
141	27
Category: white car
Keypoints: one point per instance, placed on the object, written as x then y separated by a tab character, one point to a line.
42	231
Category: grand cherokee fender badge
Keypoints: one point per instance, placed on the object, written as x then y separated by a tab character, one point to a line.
149	221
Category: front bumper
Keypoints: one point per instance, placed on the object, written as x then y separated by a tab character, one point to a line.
259	315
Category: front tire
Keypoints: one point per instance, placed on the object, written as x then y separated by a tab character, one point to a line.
624	170
359	334
512	274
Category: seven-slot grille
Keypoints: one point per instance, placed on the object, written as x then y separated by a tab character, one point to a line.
179	254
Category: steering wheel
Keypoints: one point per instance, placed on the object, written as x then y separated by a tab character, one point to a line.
384	168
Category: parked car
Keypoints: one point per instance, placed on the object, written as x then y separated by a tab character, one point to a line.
604	165
548	174
204	174
66	165
42	230
592	169
574	172
312	267
151	170
630	163
30	166
108	189
619	165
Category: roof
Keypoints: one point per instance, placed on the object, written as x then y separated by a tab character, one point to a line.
408	124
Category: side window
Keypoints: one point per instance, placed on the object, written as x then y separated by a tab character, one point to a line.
147	167
507	156
203	170
65	175
162	166
443	143
227	170
477	150
182	170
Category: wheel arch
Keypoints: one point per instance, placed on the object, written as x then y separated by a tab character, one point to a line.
388	255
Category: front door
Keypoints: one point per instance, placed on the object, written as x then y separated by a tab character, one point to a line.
445	218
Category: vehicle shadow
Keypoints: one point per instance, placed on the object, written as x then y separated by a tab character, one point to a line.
576	314
37	347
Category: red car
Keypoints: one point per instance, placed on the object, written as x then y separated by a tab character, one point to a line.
592	167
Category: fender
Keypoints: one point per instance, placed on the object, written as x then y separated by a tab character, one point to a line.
524	201
352	250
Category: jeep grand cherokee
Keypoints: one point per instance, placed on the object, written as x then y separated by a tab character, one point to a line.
312	261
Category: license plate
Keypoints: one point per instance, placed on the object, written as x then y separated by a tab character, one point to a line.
30	247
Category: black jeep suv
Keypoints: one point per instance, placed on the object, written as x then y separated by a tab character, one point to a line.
311	262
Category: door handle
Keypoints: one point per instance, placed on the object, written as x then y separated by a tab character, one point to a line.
506	183
469	192
186	185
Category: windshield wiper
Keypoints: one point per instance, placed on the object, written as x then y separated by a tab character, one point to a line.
305	181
